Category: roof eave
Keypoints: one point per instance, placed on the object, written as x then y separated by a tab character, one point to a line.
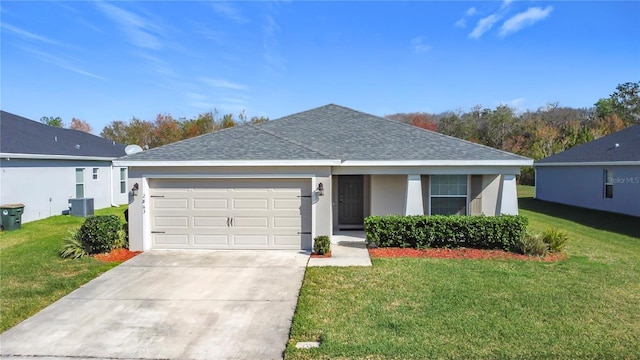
9	156
329	162
517	162
207	163
589	163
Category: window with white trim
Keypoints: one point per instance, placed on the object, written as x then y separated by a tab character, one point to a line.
95	173
79	183
123	180
608	184
448	195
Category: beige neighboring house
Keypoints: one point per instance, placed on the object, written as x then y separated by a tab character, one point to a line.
279	184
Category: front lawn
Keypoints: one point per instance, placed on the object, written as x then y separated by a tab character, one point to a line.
582	307
32	275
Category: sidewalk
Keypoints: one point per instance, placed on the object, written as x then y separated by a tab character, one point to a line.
347	249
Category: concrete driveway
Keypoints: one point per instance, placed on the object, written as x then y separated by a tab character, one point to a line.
171	305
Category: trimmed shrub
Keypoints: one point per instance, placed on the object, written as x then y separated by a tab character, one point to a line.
422	231
321	245
532	245
99	234
72	246
555	239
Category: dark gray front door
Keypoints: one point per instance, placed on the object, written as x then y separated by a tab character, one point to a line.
350	200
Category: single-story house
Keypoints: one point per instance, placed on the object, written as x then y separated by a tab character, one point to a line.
279	184
603	174
42	167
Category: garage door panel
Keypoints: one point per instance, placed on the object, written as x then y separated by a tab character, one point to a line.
210	204
171	240
251	222
250	204
171	221
251	240
163	203
210	222
287	204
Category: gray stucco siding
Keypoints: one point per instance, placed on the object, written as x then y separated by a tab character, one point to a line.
583	186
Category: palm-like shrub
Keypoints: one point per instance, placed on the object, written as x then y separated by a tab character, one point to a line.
72	246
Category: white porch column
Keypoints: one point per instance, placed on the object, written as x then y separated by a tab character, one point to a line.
509	196
414	196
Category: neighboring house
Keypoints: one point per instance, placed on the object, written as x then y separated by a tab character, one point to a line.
42	167
279	184
603	174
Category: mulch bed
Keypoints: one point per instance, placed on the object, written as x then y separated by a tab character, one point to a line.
459	253
116	255
327	255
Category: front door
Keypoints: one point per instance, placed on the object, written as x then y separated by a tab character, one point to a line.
350	201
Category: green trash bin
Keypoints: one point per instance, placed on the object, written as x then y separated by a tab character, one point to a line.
11	216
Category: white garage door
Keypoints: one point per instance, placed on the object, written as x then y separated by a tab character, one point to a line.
230	214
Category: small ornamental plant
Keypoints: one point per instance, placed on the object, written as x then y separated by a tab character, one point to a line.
321	245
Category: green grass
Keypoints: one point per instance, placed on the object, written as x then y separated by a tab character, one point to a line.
587	306
32	275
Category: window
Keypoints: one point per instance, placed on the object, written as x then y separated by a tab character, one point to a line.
448	195
608	184
123	180
95	173
79	183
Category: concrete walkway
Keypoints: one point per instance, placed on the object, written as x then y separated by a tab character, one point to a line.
347	249
171	305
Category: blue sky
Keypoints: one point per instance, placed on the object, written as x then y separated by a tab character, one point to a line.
104	61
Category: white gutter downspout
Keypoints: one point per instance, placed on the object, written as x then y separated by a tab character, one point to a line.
111	185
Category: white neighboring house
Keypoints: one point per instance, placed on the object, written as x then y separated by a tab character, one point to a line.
279	184
42	167
603	174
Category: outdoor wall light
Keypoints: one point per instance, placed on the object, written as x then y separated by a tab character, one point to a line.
134	189
320	189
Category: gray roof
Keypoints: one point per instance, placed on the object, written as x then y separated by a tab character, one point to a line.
330	132
603	149
19	135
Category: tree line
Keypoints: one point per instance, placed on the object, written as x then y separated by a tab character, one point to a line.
166	129
535	134
75	124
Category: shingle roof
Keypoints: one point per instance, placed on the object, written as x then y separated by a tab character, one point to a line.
603	149
19	135
328	132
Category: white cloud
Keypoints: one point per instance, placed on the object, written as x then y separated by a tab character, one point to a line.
506	3
419	46
63	63
140	32
471	11
26	35
485	24
228	11
463	22
273	59
524	19
220	83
